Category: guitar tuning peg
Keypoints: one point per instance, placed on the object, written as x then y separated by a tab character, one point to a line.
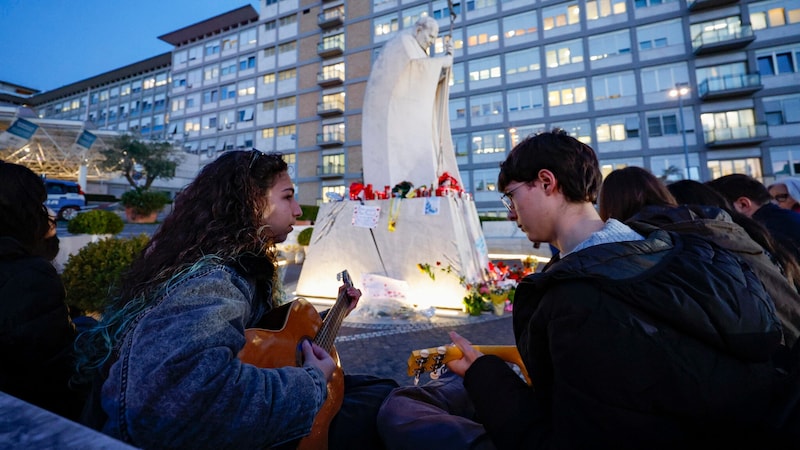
424	353
441	350
435	375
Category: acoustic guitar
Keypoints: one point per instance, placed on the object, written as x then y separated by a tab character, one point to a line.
433	360
276	344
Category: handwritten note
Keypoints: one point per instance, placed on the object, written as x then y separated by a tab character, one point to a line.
366	216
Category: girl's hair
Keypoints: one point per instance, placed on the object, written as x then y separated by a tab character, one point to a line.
626	191
690	192
24	216
218	215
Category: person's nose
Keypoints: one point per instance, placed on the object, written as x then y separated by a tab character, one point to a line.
512	214
298	211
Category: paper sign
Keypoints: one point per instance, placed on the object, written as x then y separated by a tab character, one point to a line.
366	216
432	205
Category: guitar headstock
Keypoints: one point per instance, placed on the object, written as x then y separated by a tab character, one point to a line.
431	360
344	277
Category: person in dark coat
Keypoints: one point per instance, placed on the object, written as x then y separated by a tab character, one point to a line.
631	341
635	196
751	198
36	333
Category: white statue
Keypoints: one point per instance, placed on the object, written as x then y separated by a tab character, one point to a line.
405	137
405	125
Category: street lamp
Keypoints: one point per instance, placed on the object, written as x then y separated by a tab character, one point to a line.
681	90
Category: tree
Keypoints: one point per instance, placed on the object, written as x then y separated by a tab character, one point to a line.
157	159
671	173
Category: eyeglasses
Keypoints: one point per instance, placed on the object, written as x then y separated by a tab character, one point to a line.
506	197
780	198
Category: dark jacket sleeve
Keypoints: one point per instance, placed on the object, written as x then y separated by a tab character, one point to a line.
506	405
36	337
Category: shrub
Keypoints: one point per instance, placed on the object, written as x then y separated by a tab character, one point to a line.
96	221
143	202
309	212
304	237
90	274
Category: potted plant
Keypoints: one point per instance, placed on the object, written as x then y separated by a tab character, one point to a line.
89	274
142	205
309	214
96	222
303	239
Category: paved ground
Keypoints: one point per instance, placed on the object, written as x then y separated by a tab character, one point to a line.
382	346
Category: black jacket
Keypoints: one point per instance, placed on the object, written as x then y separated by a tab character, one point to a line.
716	225
661	343
36	334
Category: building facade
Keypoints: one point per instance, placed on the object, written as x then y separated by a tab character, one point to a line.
712	86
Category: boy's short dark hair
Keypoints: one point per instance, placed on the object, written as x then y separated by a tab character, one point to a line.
572	162
739	185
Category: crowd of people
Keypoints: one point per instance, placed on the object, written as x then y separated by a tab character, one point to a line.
668	318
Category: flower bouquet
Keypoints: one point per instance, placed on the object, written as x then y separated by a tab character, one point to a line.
494	292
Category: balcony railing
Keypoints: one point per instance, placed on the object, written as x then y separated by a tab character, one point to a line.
735	136
330	108
330	170
697	5
330	78
330	18
729	86
330	139
327	49
723	39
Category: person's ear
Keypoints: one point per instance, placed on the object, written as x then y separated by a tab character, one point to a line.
548	180
744	205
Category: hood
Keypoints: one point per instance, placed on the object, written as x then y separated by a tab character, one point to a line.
707	221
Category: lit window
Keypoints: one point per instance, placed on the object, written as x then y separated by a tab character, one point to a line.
286	130
520	25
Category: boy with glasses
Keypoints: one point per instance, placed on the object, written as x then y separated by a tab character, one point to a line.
652	340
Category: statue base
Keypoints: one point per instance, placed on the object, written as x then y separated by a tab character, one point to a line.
443	232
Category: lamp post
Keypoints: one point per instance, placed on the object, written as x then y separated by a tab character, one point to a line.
680	90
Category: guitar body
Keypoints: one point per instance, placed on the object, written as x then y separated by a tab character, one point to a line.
278	345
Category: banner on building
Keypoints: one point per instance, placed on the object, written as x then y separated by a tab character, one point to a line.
18	134
85	139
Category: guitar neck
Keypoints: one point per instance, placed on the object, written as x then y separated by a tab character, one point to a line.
335	316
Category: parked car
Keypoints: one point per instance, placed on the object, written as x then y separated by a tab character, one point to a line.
64	197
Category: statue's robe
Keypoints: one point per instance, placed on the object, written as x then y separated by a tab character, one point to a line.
405	125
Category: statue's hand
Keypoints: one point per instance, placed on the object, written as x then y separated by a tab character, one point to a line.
448	47
447	61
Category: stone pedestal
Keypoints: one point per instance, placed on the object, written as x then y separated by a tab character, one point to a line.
452	237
